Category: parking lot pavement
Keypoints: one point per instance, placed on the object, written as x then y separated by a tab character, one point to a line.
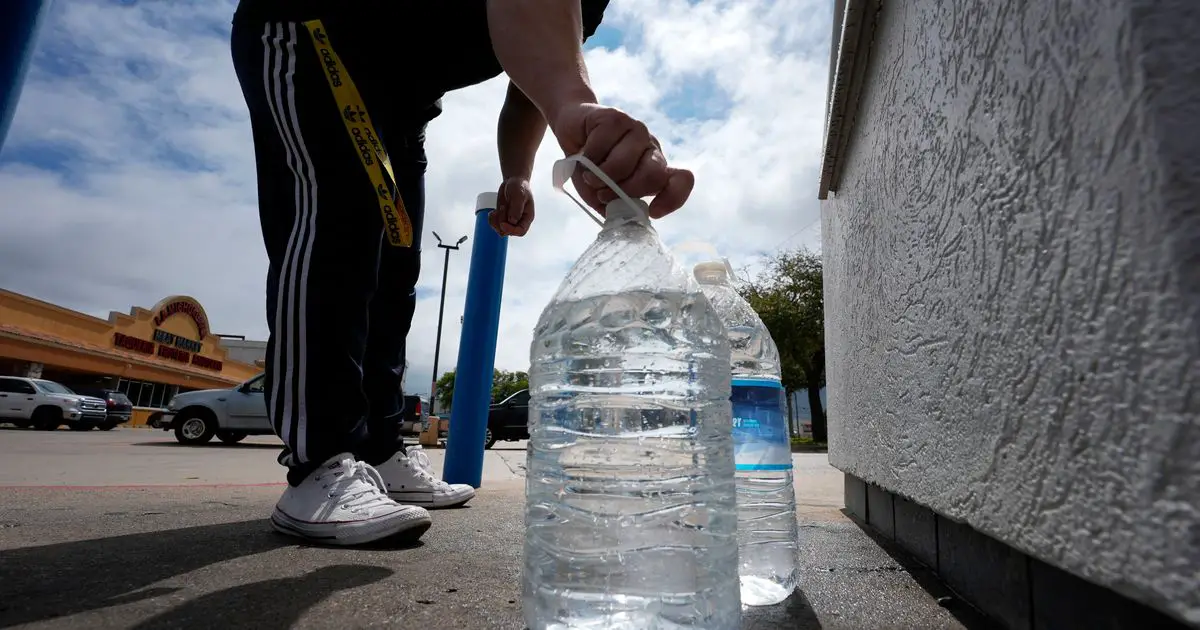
136	457
127	530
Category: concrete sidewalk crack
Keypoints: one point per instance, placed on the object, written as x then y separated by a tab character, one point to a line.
515	471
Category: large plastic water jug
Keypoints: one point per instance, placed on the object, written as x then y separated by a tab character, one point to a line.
630	516
766	499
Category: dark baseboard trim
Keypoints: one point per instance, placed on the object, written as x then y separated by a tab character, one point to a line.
1014	589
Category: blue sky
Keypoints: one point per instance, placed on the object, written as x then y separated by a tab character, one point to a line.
128	172
606	37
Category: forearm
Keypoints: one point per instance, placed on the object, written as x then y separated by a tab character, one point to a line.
539	43
518	134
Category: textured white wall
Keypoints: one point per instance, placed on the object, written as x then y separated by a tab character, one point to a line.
1012	265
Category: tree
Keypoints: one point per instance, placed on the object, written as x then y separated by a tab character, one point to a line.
445	391
504	384
788	296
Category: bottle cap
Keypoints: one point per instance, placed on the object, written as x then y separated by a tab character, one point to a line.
714	272
621	210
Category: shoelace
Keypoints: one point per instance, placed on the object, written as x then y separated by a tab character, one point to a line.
360	486
424	468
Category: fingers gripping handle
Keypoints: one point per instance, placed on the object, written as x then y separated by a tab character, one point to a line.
564	168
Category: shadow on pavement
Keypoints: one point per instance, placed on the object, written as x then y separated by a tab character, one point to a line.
266	605
213	444
38	583
963	612
795	613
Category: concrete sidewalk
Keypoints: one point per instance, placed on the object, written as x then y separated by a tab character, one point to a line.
104	555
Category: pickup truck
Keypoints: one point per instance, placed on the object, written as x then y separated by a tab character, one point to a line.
232	414
416	414
120	407
226	414
46	405
508	420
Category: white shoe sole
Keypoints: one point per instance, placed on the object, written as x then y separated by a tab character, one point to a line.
432	500
407	526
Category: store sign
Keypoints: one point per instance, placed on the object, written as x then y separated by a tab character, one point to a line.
174	354
183	307
175	341
125	342
168	347
207	363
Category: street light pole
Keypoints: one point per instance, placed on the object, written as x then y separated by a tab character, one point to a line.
437	346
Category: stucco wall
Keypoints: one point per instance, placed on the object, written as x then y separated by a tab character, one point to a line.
1012	277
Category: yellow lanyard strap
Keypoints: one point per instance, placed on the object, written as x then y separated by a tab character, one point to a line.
371	153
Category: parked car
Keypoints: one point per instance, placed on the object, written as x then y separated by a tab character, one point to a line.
416	415
47	405
119	407
508	420
232	414
226	414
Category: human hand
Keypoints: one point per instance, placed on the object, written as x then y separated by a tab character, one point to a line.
514	208
624	150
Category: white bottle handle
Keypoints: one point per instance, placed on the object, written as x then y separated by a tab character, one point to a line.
564	168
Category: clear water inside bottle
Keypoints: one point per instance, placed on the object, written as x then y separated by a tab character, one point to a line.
766	500
630	515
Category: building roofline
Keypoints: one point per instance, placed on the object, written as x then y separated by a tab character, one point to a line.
849	54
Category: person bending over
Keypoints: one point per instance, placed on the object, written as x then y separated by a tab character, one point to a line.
339	96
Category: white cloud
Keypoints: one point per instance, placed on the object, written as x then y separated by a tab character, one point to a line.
157	195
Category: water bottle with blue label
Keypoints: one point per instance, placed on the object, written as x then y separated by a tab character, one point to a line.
631	514
767	529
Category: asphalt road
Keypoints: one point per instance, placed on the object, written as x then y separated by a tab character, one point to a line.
127	529
153	457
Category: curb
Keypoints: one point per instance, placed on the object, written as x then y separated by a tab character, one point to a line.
804	448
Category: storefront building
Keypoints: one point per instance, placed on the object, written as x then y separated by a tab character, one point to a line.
149	354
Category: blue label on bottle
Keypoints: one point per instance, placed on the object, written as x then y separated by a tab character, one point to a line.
760	430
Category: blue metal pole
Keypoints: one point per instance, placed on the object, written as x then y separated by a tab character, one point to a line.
476	351
18	31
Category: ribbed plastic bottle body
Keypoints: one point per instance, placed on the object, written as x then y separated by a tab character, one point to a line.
767	528
631	514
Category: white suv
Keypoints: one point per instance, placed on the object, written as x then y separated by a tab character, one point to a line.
48	405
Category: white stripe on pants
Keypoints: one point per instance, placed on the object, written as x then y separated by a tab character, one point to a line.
289	362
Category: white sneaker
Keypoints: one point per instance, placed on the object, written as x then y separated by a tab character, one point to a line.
344	502
410	480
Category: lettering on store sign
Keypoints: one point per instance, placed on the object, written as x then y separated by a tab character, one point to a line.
133	343
145	346
174	354
207	363
183	307
182	356
183	343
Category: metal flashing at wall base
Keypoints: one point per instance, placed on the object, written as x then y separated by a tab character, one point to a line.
1016	591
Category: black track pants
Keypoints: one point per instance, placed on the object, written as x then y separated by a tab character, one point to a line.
340	297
